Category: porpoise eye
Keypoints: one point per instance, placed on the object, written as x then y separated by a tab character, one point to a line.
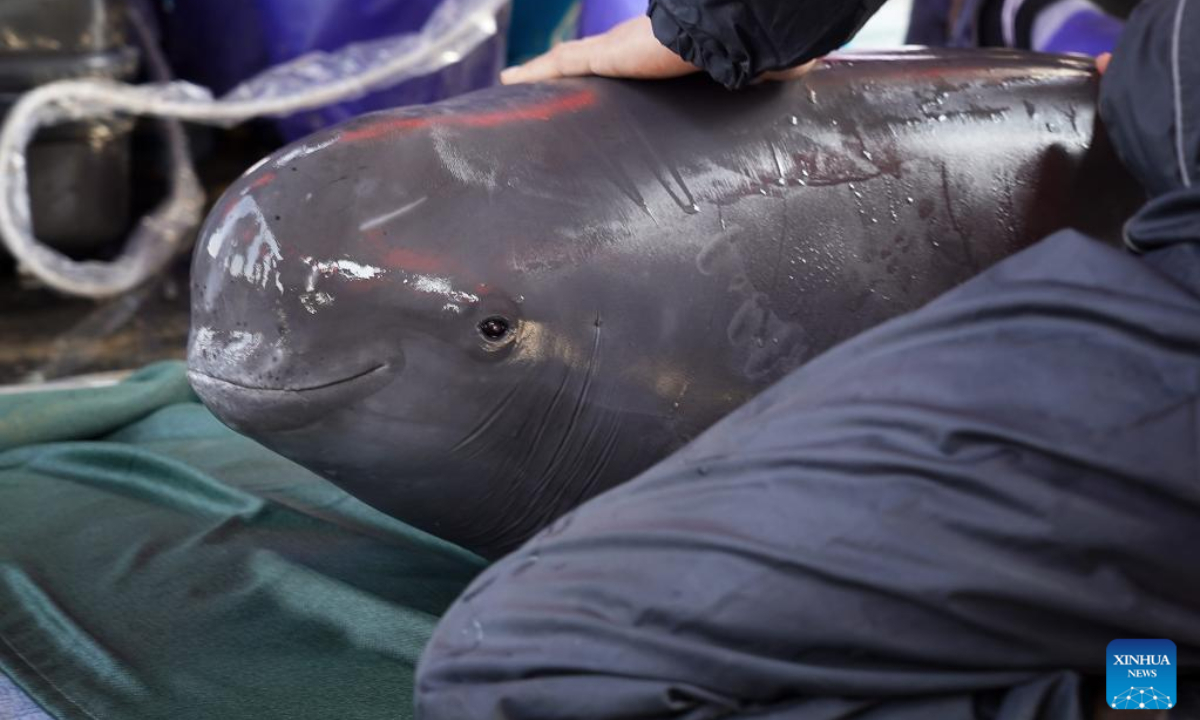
494	328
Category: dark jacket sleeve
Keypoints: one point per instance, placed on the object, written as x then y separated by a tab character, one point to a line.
1150	103
736	40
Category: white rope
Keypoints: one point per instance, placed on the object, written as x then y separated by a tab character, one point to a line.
456	28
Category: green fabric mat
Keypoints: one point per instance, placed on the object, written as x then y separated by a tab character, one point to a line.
154	564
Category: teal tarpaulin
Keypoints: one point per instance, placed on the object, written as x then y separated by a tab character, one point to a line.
154	564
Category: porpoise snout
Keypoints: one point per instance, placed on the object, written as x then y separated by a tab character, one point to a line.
258	381
254	410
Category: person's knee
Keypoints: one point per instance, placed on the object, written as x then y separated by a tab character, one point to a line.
570	628
501	653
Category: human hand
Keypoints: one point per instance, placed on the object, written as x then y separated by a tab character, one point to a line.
629	50
1102	62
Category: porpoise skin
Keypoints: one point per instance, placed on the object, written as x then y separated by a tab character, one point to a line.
475	315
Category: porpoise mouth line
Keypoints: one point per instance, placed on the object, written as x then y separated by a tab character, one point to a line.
307	388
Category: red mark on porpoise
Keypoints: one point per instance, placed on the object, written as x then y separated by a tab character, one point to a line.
413	261
537	111
398	258
416	262
262	180
259	182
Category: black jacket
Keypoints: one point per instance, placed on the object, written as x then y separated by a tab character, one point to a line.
736	40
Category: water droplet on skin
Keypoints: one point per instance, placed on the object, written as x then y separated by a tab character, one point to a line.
558	526
909	200
942	118
470	637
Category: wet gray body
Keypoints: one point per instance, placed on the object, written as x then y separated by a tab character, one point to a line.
475	315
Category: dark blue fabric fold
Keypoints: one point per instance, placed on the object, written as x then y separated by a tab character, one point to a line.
1150	102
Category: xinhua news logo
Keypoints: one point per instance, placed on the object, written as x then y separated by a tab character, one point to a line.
1141	674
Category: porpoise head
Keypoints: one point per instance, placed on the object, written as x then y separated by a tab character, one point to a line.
433	362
